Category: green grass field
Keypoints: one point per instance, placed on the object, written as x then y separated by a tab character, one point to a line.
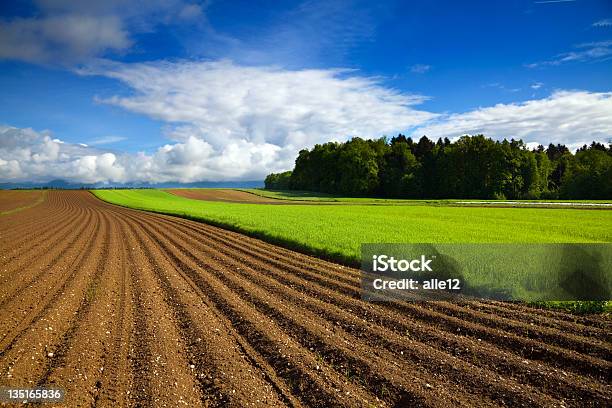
337	232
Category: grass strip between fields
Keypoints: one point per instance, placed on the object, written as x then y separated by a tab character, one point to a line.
308	196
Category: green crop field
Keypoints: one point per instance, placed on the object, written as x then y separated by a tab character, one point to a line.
338	231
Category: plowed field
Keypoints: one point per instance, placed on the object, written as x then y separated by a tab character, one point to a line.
126	308
12	201
226	195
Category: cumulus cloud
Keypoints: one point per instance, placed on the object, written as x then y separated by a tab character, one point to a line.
29	155
570	117
261	112
221	101
225	122
68	31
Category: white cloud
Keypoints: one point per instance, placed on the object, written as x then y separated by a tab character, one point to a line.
61	37
29	155
420	68
603	23
65	32
263	109
536	85
570	117
593	51
221	100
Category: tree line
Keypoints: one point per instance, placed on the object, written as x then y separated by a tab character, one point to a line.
471	167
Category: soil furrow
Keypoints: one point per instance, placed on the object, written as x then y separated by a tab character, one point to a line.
209	365
350	276
29	349
117	376
526	347
45	298
289	295
506	363
313	334
299	376
25	259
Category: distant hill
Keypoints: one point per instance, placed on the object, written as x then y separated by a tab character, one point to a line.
63	184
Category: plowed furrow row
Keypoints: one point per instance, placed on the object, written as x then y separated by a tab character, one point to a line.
41	219
275	256
426	356
299	375
117	376
162	375
595	321
28	350
571	324
12	200
595	347
52	210
26	256
49	206
14	225
209	364
209	262
502	361
78	356
57	289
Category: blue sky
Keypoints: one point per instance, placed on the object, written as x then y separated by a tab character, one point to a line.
174	90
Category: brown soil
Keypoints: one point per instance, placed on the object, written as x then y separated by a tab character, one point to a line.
127	308
227	195
11	200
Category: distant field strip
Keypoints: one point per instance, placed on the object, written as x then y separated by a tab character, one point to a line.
539	203
225	195
338	231
309	196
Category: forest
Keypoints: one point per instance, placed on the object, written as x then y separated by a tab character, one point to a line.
471	167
